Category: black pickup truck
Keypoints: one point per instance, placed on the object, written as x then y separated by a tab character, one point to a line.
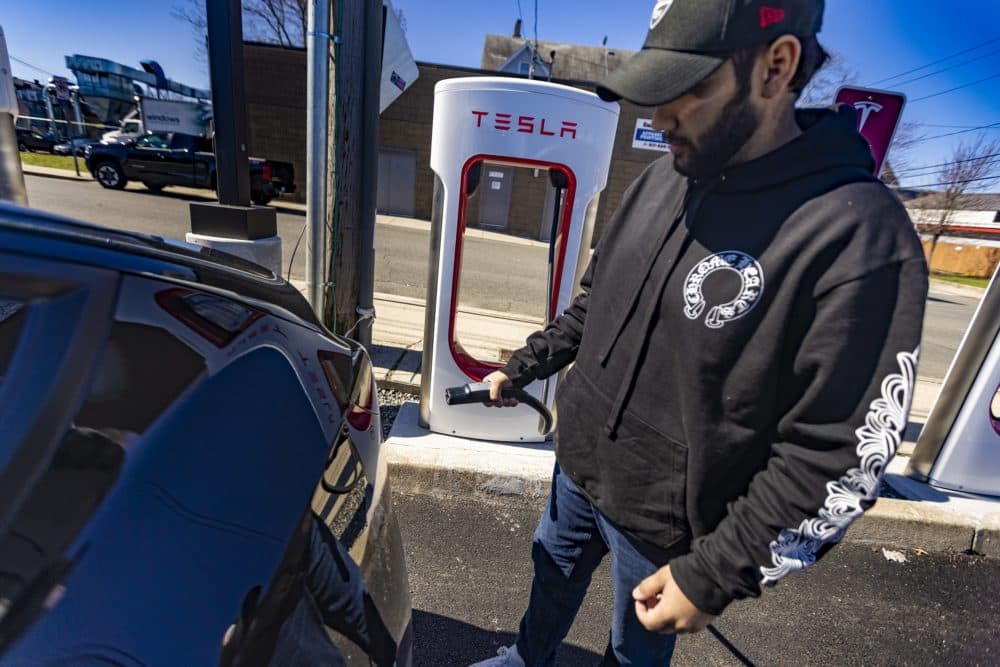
161	159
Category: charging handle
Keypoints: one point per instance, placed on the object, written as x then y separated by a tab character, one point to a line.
479	392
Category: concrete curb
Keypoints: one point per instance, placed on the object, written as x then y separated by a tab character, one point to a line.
459	468
898	524
52	172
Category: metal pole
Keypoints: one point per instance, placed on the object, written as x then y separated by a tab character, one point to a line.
374	36
69	136
11	176
225	53
317	131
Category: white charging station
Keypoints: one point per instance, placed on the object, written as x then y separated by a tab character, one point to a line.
959	447
508	122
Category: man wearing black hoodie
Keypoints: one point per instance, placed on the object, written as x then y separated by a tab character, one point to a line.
745	342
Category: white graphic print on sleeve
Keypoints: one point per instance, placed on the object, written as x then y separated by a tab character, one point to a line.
878	440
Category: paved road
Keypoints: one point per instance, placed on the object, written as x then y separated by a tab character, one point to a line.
470	574
496	276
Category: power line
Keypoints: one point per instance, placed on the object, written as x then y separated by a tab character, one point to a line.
946	69
952	127
951	90
945	164
961	182
931	169
34	67
940	60
966	131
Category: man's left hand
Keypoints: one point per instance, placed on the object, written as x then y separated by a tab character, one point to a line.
662	607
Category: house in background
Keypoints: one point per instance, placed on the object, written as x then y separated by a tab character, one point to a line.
571	62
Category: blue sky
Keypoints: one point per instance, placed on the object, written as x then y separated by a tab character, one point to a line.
877	38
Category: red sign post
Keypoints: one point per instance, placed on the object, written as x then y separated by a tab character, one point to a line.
879	112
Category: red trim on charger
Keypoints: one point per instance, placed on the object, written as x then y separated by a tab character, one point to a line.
474	368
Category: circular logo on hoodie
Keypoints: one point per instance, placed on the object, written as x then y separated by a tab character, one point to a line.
659	11
751	277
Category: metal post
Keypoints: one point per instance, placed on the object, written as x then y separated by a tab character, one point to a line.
11	177
317	131
374	36
225	52
69	136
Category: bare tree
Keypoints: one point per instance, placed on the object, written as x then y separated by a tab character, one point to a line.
282	22
824	85
973	166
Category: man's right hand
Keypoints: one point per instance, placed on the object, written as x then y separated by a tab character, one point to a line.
498	380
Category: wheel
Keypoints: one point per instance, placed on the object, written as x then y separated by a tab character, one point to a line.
110	175
153	187
260	199
21	147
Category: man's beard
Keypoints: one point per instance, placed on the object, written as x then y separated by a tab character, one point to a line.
715	149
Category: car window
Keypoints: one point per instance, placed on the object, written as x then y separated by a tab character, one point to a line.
11	323
152	141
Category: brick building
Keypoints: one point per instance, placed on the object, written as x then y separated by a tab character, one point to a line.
276	107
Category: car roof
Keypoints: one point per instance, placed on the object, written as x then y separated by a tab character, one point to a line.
210	267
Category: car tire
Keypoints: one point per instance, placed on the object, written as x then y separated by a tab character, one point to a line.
153	187
110	175
21	147
260	200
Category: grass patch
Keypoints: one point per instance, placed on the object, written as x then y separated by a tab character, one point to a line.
54	161
981	283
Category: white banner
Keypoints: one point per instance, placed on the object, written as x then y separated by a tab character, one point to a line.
174	116
399	70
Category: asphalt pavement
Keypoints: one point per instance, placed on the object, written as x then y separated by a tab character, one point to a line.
470	574
510	281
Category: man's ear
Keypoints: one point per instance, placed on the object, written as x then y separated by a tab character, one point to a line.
780	62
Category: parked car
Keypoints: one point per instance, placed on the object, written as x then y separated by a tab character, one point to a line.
191	466
77	145
33	140
161	159
128	129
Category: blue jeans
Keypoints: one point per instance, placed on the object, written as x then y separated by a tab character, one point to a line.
570	542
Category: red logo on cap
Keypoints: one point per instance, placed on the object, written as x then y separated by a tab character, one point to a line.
770	15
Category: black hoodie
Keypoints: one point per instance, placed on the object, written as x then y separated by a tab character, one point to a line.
745	352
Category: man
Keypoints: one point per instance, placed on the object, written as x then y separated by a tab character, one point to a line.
745	343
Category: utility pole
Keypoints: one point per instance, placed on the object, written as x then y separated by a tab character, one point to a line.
355	162
232	225
318	43
11	176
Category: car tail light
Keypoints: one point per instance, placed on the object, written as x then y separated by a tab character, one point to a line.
216	318
360	415
266	173
340	369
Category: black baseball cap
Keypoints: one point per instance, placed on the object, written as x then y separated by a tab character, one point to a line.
690	39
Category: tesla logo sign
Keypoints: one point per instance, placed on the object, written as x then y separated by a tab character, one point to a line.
867	109
505	122
878	115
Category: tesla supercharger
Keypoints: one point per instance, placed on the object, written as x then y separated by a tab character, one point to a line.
959	447
479	123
